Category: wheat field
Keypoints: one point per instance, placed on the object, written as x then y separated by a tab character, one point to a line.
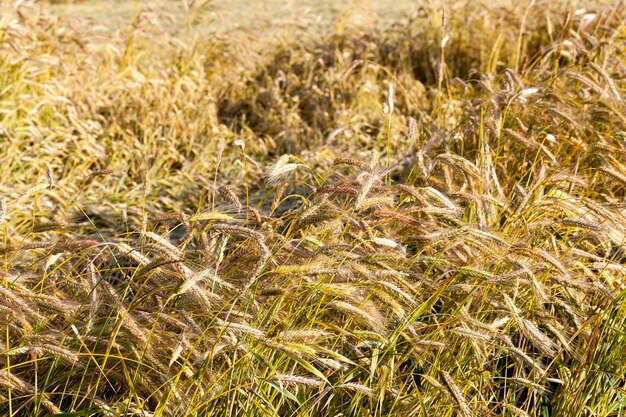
417	211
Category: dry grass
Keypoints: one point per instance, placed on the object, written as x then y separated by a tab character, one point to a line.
191	230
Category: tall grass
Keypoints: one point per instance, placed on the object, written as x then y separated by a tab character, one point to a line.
189	231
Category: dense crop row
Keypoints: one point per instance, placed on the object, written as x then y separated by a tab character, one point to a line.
423	220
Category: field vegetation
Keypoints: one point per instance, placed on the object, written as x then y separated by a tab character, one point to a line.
423	218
